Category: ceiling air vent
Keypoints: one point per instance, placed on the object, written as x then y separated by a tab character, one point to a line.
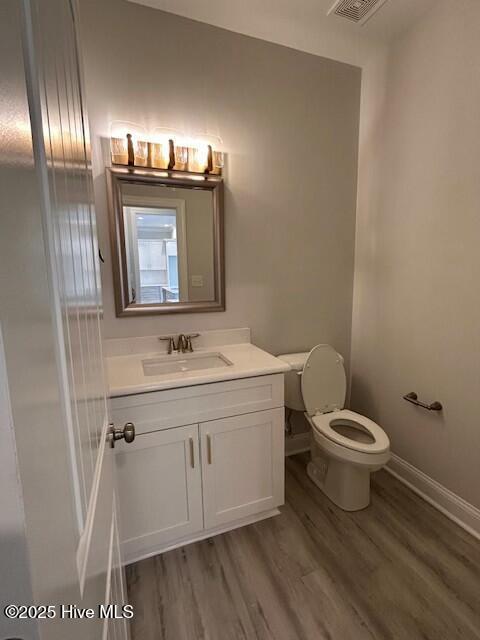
358	11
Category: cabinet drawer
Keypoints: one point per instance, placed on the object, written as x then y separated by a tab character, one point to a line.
176	407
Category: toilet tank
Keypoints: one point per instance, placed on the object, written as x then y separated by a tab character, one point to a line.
293	379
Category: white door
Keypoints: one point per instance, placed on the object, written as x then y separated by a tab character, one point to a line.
51	325
159	479
242	465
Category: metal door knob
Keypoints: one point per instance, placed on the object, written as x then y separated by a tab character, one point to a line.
127	433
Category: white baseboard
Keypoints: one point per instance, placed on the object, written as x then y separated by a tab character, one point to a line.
457	509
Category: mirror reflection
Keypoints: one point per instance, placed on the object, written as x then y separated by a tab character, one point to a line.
170	245
151	237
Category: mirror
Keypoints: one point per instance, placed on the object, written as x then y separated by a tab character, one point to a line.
167	242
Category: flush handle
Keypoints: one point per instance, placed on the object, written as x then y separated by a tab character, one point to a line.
127	434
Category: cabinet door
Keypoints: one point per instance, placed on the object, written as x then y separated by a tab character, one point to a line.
160	489
242	465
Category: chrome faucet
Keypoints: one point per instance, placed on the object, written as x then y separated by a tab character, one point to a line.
189	337
184	343
171	343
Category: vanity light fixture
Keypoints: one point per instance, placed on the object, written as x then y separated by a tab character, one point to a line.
167	154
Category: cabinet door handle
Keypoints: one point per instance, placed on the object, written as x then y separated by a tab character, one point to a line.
192	453
209	449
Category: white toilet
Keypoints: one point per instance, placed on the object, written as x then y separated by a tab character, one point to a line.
346	446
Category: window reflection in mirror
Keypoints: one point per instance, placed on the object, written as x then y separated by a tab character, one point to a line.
151	238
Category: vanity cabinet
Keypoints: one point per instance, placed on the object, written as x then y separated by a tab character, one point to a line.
180	483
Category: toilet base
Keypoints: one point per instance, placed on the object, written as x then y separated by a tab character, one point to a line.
345	484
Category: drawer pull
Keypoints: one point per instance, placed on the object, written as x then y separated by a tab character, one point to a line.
192	453
209	449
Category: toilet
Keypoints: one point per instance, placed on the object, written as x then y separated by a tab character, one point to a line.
346	446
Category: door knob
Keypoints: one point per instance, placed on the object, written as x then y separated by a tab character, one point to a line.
127	433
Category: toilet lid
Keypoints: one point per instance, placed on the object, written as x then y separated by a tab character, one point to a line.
324	383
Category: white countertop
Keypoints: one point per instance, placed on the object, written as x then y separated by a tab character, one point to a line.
126	376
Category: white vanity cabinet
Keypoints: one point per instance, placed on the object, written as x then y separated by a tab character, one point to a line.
205	459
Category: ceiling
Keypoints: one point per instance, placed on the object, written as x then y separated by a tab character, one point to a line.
297	22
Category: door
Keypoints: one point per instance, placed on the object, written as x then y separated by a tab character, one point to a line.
242	465
159	479
51	326
156	247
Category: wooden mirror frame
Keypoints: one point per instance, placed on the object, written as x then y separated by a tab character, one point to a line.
116	177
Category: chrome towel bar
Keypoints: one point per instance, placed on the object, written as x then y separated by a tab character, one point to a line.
413	398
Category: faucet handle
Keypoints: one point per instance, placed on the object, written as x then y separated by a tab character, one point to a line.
171	343
189	338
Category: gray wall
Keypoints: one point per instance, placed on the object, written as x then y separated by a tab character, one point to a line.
289	122
417	301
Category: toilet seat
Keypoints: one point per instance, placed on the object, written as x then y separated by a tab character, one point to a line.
322	423
323	389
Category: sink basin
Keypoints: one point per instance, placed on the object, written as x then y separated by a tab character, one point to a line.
163	365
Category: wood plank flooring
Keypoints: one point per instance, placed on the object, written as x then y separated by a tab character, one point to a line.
397	570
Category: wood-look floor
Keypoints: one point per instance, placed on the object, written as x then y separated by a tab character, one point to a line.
397	570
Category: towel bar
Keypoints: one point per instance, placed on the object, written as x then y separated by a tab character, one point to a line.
413	398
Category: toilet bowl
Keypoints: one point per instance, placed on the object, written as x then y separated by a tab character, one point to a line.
346	446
